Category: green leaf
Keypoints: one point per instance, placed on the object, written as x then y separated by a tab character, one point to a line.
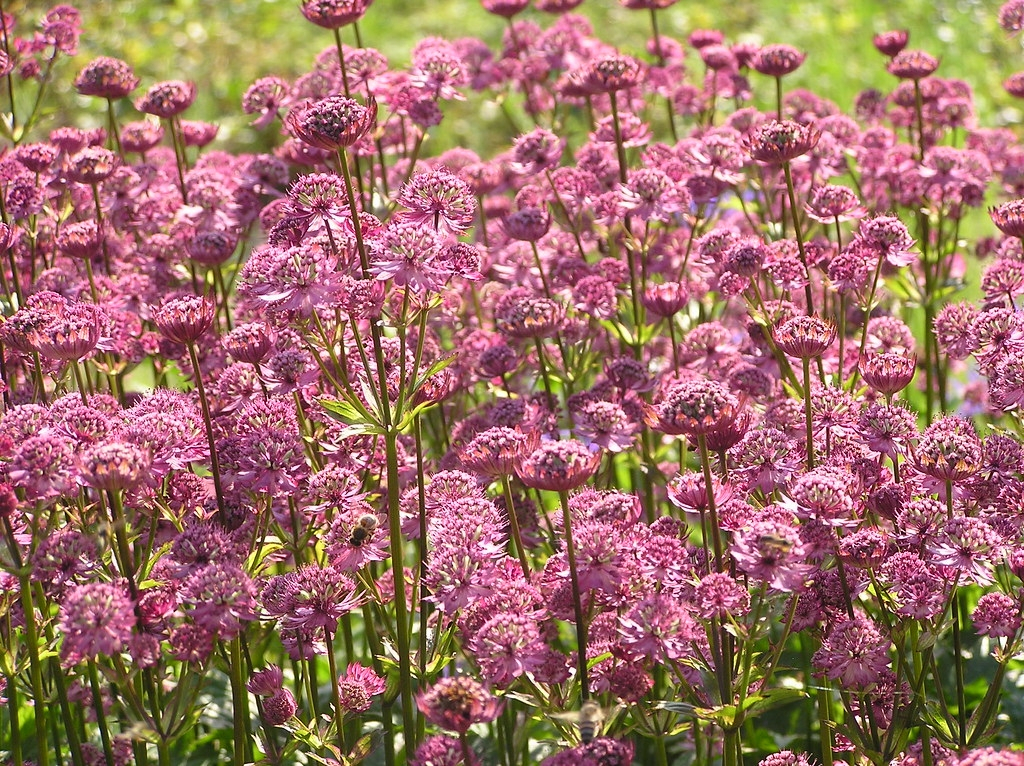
771	698
432	370
357	419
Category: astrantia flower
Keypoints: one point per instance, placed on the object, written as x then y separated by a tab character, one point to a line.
250	342
64	558
521	314
185	320
772	551
612	74
441	199
786	758
92	165
407	253
334	14
70	336
720	595
661	627
536	151
651	195
777	60
805	337
1009	218
693	407
605	425
221	598
968	545
887	237
167	99
892	42
996	615
912	64
106	77
317	597
493	452
115	465
96	620
558	465
855	652
831	203
441	750
1011	16
949	449
357	686
507	646
889	372
777	142
280	707
332	123
457	702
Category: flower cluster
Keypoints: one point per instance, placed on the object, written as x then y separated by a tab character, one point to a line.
598	448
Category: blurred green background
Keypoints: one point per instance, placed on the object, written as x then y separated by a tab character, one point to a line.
226	44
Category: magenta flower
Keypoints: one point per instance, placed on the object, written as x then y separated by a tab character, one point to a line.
457	702
96	620
357	686
558	465
855	653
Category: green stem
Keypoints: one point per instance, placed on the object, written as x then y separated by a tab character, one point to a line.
798	235
239	703
808	420
208	423
716	532
513	522
577	604
101	716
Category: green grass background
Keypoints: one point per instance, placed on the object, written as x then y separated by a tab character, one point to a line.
226	44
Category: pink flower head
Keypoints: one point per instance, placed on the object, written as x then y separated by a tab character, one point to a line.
185	320
912	65
440	199
693	407
332	123
772	551
855	652
334	14
96	620
887	237
457	702
107	78
357	686
558	465
777	60
891	42
167	99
